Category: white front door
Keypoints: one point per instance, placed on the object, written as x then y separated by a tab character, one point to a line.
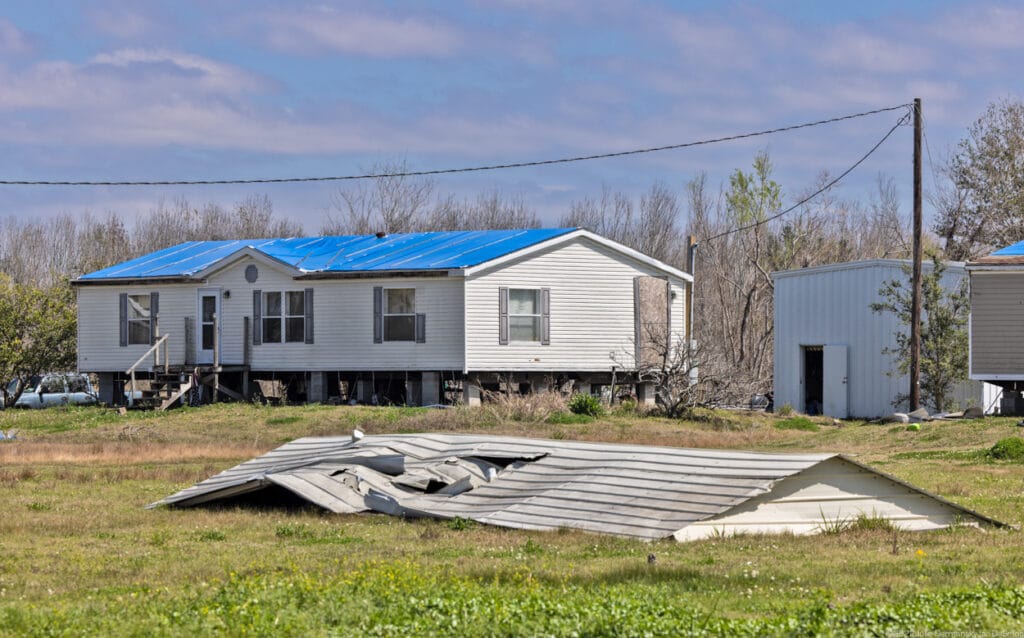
208	326
835	382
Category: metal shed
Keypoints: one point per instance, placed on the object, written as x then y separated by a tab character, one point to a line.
829	343
643	492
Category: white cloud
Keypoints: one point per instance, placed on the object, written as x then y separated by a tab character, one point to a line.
210	74
855	48
123	79
326	29
980	27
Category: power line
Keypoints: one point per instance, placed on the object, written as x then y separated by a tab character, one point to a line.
931	163
900	122
445	171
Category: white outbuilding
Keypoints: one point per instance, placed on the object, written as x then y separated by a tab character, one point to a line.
829	343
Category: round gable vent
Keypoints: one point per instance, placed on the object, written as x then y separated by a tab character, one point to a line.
252	273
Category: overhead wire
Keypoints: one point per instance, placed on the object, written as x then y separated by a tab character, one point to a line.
445	171
928	149
900	122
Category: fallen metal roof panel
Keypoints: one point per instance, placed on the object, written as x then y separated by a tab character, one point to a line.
629	490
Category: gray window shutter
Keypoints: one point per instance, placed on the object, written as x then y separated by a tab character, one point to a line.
154	313
378	314
503	316
123	311
545	316
309	315
421	328
257	317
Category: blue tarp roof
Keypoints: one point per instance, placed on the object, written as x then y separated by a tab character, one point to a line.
1010	251
353	253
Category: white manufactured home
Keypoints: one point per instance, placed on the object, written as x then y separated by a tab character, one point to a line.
829	343
406	318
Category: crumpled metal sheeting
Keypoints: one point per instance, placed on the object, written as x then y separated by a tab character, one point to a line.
628	490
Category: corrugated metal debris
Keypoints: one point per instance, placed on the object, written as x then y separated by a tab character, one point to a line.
626	490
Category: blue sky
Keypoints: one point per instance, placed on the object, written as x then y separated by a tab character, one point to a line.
207	90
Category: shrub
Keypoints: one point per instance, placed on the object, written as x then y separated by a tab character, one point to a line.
1008	449
797	423
585	404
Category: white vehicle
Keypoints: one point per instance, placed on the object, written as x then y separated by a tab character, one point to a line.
44	391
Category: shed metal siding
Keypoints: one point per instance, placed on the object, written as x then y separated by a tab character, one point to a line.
592	316
831	305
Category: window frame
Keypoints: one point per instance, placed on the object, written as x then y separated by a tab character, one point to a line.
283	316
140	324
537	317
385	315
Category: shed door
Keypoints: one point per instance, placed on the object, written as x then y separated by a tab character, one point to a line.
834	382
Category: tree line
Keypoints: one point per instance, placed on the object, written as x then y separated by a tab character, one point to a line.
979	203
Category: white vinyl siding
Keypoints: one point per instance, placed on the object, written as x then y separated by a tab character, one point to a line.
591	302
99	348
343	316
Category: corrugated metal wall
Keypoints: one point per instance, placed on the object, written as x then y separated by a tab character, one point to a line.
830	305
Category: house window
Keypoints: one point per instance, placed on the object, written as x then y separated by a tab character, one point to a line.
400	314
524	316
138	320
295	316
284	315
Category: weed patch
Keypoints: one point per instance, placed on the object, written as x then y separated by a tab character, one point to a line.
460	524
1008	449
797	423
569	418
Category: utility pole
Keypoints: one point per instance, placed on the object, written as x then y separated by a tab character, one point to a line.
915	298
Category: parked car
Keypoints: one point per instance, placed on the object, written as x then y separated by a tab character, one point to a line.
47	390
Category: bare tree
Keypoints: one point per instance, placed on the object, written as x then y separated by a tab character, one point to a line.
489	211
651	226
984	207
391	203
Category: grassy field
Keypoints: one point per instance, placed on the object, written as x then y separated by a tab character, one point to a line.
79	554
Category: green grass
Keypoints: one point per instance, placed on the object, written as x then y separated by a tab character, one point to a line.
797	423
80	556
